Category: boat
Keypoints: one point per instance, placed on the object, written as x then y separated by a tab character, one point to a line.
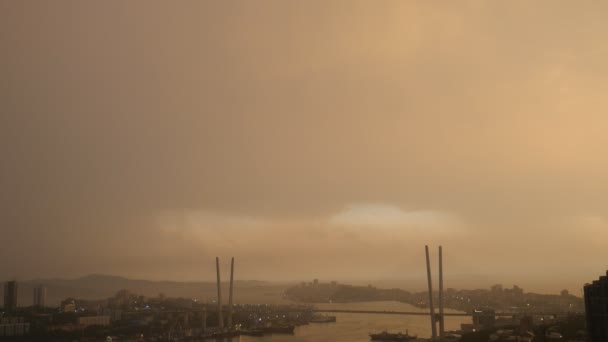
224	334
386	336
253	332
278	329
323	319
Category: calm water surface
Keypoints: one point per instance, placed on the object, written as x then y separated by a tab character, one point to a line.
356	327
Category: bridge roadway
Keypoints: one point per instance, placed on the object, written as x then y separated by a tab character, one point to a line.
417	313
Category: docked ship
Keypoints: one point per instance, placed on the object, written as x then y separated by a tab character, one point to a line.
278	329
253	332
226	334
386	336
323	319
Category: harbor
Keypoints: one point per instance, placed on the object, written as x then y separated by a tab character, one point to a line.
356	327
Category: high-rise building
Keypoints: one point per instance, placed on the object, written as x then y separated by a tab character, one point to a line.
40	296
10	296
596	309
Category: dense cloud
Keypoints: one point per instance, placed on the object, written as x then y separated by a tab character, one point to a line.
144	138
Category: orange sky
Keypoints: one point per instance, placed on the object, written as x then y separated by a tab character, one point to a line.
327	139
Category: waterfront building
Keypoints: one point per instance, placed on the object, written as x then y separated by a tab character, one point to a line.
484	319
596	309
13	326
86	321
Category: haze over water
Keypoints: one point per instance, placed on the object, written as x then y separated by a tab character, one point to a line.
356	327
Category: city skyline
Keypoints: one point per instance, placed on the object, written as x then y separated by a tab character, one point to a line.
317	139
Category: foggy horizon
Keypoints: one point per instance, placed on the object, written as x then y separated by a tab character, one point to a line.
317	139
415	283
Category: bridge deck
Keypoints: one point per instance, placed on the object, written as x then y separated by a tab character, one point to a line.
418	313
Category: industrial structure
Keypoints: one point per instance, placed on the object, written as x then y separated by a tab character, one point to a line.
10	296
39	296
220	318
439	317
219	296
230	294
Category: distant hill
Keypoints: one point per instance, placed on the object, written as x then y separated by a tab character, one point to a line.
340	293
98	286
496	297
